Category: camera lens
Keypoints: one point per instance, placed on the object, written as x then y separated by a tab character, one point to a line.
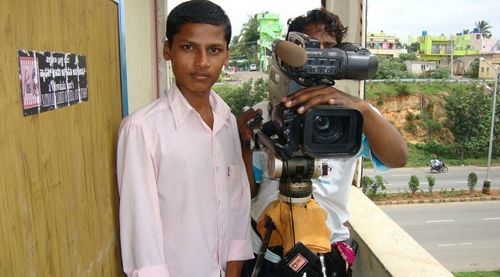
331	131
327	129
321	123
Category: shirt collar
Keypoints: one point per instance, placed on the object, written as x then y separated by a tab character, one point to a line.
181	108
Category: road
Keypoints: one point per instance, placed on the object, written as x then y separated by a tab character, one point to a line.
397	179
463	236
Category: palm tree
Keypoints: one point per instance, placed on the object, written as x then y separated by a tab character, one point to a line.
484	28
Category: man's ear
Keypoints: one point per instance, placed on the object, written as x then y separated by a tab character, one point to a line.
166	50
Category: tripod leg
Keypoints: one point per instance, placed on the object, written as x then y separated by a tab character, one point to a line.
263	247
322	262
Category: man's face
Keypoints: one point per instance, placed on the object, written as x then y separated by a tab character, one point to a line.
318	31
197	52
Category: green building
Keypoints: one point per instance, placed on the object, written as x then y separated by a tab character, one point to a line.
269	30
435	48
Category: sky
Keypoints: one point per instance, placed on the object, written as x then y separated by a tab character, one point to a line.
240	11
395	17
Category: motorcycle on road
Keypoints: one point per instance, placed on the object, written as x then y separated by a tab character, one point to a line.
439	168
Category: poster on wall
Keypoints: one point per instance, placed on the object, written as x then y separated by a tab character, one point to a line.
51	80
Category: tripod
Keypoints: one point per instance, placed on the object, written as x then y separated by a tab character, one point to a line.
297	224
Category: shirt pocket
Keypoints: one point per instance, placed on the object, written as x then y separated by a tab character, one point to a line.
235	185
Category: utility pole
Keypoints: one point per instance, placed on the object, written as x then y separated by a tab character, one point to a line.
451	56
487	181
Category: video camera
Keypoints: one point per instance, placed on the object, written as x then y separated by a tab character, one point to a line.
299	141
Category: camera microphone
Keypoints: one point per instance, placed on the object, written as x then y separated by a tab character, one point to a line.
290	53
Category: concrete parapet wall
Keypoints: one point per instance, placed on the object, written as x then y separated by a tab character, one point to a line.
385	249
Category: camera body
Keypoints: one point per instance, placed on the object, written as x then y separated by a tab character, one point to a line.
299	141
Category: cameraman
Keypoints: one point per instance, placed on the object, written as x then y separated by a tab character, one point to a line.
382	142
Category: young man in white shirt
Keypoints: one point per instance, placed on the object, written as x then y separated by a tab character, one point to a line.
184	196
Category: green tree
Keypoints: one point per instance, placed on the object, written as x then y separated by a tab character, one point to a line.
473	71
408	56
414	47
392	68
244	45
468	117
246	95
484	28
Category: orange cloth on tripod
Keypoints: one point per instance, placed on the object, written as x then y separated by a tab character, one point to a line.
309	226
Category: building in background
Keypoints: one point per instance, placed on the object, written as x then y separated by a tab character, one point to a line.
487	66
454	51
435	48
382	44
269	30
422	68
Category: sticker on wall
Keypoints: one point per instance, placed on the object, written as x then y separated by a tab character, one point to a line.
51	80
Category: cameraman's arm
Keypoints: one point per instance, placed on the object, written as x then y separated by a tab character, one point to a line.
385	140
246	135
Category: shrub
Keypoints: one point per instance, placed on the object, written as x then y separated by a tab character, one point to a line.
410	116
370	187
432	181
414	184
432	126
472	181
403	90
434	148
411	128
379	184
380	100
366	183
441	73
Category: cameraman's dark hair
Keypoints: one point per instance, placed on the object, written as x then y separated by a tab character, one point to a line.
319	16
197	11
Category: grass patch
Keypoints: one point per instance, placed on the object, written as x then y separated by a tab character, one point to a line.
495	273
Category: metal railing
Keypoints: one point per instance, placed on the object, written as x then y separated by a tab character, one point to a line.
428	80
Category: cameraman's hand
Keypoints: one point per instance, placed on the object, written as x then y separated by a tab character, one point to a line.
246	134
306	98
245	131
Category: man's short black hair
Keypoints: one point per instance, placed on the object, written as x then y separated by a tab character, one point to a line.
197	11
319	16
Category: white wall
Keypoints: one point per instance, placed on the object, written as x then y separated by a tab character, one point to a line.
141	53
